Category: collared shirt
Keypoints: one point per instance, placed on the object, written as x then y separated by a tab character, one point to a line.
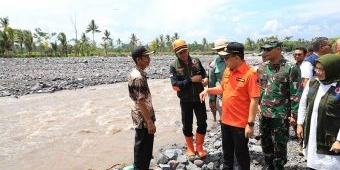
280	91
138	90
238	87
216	71
306	66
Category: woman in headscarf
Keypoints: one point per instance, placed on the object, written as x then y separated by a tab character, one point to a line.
319	111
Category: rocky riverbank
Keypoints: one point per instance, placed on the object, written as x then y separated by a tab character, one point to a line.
22	76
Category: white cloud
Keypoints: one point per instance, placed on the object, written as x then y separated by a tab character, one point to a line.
271	25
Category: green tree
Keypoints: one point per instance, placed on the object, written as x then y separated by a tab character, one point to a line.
133	40
84	45
63	44
107	41
204	44
28	41
92	27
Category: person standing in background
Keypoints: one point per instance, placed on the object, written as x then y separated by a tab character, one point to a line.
299	55
321	46
217	67
142	112
188	78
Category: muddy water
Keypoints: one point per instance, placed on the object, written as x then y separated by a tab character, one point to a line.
80	129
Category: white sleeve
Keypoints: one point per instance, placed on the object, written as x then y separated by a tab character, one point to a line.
338	137
303	104
306	70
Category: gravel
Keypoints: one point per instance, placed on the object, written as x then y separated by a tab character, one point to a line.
22	76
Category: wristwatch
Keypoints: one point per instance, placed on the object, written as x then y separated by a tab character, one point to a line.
251	124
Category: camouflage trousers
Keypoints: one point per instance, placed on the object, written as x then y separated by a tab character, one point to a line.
274	138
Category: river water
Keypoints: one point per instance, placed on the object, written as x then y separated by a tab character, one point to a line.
80	129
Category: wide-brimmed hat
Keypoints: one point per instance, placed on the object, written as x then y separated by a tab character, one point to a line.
232	48
220	43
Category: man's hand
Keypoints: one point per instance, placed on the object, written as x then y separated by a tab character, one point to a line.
299	131
335	147
151	127
249	131
292	120
205	81
203	95
196	79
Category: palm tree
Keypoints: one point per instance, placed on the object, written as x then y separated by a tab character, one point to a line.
54	47
19	38
204	43
119	44
168	42
175	37
28	41
161	43
4	22
84	45
63	43
92	27
133	40
107	40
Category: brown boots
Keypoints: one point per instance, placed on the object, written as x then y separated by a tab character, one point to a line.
199	146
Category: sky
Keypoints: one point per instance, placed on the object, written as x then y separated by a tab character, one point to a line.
193	20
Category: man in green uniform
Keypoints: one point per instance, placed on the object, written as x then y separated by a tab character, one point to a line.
279	102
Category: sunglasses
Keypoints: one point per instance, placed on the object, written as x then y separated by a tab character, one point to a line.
268	49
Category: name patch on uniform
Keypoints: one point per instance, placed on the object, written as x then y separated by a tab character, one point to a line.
240	79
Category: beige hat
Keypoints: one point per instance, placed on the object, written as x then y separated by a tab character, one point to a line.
220	43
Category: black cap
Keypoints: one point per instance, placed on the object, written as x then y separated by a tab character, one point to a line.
139	51
232	48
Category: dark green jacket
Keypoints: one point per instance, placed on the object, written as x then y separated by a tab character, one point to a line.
180	76
328	120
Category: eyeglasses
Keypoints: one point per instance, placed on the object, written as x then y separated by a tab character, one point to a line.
297	54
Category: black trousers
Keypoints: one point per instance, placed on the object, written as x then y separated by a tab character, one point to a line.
187	111
235	143
143	149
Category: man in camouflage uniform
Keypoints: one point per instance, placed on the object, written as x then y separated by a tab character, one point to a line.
279	101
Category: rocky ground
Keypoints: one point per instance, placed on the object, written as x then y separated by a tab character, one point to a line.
22	76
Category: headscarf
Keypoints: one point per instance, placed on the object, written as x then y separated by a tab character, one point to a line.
331	65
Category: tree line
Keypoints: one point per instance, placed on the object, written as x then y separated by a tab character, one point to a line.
16	42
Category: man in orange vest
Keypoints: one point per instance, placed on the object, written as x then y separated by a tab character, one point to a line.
241	91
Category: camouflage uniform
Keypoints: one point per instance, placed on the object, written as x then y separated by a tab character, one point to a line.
279	99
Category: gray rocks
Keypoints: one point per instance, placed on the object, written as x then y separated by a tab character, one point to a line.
21	76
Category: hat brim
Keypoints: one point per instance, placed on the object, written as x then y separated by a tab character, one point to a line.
223	53
148	52
178	51
218	47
